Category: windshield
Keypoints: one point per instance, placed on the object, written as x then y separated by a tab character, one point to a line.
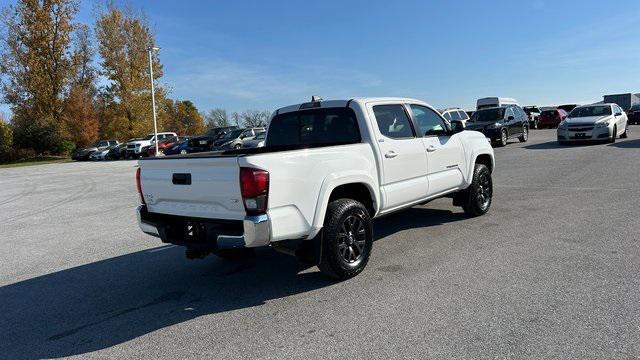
530	109
587	111
486	115
232	134
148	137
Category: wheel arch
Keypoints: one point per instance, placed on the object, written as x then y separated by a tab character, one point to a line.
357	186
483	157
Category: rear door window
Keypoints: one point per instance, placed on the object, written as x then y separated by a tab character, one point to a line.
393	121
508	113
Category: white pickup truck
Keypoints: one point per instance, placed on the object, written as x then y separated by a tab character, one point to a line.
327	169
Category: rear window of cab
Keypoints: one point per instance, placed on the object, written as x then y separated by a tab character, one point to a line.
314	127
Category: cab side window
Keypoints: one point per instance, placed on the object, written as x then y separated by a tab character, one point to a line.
428	121
393	121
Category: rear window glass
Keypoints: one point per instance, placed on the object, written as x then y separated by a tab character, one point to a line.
488	115
548	113
314	126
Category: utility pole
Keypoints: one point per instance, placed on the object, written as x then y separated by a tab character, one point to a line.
153	96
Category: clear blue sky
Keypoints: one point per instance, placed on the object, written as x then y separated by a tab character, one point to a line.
266	54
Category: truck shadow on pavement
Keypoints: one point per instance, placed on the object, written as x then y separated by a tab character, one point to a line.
554	145
628	144
106	303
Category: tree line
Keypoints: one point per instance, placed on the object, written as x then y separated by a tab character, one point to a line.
66	92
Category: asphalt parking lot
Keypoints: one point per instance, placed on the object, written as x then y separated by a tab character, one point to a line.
551	272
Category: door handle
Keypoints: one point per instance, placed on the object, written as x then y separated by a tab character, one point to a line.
390	154
431	148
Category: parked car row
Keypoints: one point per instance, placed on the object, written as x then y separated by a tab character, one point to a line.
169	143
501	119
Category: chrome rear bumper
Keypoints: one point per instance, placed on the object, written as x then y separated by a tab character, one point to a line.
255	230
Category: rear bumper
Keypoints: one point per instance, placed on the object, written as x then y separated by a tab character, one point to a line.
206	234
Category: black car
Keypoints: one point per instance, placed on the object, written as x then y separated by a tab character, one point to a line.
219	131
633	114
117	152
200	143
501	124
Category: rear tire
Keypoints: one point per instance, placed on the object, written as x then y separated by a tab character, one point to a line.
477	198
346	240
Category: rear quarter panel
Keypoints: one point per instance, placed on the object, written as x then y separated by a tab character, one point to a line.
300	182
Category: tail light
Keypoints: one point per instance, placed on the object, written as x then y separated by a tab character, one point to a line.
254	187
139	186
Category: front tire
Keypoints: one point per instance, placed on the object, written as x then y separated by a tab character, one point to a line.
525	134
613	135
625	135
478	196
347	239
502	141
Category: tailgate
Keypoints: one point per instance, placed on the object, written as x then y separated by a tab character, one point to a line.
194	187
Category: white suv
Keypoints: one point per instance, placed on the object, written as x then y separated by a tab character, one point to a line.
455	114
137	147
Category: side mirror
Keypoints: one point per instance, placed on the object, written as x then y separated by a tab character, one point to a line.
457	126
510	118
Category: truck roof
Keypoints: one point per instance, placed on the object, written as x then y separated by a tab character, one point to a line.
343	103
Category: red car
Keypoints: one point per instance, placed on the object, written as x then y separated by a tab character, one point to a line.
551	118
162	145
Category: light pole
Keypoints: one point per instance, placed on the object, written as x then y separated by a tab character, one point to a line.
153	96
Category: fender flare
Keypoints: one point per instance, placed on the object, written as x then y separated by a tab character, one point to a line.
474	156
331	182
